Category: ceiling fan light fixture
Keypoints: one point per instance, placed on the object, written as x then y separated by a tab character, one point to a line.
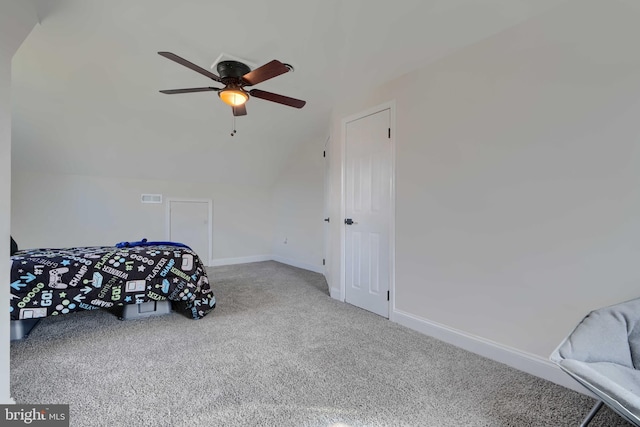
235	75
233	97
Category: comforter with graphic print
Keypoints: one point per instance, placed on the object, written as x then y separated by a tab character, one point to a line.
46	282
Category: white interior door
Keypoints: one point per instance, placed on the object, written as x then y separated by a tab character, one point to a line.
368	160
189	223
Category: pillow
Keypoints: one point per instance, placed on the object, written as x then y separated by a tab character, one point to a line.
14	247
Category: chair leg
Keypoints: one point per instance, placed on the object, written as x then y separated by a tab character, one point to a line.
592	413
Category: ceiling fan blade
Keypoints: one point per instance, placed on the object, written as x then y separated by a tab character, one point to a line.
280	99
190	90
266	72
239	110
194	67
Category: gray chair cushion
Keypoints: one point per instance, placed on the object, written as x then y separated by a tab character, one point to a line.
603	353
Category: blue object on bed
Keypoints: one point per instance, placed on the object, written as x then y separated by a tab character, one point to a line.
144	242
603	354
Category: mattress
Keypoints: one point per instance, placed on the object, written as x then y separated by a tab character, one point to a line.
51	282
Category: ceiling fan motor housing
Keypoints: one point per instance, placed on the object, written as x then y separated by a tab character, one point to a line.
232	69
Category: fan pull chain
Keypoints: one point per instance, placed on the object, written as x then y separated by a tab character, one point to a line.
233	132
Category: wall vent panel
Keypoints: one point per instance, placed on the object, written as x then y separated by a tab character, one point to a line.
151	198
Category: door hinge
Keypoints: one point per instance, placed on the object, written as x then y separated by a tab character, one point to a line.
389	133
323	262
387	295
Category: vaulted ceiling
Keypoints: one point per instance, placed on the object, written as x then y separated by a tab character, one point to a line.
86	81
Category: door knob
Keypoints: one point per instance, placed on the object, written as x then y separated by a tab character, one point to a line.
349	221
326	219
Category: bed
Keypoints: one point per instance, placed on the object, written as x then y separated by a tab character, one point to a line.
51	282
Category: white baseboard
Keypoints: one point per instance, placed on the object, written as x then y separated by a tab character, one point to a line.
299	264
258	258
523	361
239	260
335	293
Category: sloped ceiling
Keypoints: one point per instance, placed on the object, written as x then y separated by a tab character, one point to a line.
86	81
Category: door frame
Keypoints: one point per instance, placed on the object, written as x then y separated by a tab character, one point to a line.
391	106
326	214
167	222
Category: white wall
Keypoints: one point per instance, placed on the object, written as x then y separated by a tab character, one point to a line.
17	18
72	210
518	179
298	201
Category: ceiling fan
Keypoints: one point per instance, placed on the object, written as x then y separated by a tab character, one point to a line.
235	76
